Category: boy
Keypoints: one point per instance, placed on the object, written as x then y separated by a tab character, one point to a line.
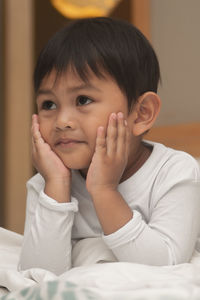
96	83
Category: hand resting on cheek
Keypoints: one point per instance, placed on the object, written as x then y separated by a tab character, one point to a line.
56	175
111	155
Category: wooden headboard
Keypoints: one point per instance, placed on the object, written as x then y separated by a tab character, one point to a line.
184	137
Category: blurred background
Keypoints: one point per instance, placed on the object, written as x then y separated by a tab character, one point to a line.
172	27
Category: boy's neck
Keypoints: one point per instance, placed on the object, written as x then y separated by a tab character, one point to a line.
136	162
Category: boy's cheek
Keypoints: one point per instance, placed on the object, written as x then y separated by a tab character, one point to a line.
44	123
44	130
103	122
39	119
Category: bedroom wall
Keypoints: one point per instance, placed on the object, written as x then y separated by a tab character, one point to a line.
175	28
18	99
1	114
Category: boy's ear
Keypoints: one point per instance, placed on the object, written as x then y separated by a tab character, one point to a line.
145	112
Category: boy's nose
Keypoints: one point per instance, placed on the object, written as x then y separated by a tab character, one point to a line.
64	121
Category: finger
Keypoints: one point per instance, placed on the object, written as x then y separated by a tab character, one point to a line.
35	126
100	141
37	138
34	120
128	140
34	154
111	135
121	138
33	146
32	139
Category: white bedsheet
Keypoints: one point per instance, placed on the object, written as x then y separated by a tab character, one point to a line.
110	280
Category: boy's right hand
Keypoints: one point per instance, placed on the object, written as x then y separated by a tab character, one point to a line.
47	163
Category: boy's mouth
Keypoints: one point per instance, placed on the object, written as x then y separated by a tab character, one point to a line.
65	143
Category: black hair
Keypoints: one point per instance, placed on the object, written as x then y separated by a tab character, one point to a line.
103	45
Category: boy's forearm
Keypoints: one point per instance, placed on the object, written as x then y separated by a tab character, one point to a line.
58	190
112	210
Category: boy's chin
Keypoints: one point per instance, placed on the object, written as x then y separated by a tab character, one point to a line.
78	161
77	165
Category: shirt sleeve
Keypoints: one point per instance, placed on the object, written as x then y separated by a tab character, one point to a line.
174	226
47	234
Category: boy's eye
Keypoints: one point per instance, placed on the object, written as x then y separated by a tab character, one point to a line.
48	105
83	100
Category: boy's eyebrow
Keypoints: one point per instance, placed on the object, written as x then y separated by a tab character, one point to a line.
44	92
82	86
69	89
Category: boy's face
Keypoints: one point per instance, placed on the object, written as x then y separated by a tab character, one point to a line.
70	111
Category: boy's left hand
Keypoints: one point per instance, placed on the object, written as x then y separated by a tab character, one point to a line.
110	157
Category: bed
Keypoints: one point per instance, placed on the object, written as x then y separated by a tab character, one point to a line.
92	280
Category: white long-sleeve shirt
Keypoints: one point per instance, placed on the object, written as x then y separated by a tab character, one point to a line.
164	195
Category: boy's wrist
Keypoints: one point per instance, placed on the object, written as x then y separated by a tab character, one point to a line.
100	192
58	180
112	210
58	189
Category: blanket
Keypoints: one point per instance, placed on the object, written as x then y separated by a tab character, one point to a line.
95	275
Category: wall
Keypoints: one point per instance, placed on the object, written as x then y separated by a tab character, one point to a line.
175	28
1	116
18	99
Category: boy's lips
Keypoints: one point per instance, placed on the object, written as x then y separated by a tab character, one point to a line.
66	142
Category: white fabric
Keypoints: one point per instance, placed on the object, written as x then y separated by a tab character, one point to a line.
164	195
113	281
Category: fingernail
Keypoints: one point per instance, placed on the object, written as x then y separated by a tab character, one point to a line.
113	116
120	115
125	122
100	129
